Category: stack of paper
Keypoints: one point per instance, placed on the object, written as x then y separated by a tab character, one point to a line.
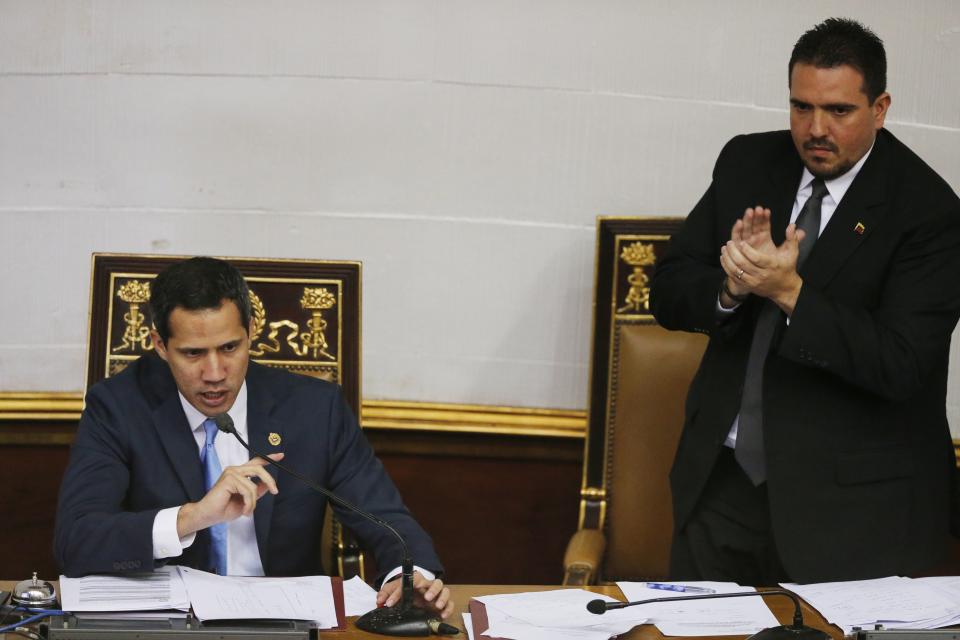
718	617
894	602
158	594
554	615
160	590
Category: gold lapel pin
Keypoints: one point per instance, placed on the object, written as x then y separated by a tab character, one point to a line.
274	439
859	228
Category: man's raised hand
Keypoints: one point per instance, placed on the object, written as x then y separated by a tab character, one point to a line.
235	494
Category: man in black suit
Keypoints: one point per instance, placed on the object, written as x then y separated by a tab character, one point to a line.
824	263
150	482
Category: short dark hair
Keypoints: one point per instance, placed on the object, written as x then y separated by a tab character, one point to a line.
840	41
197	283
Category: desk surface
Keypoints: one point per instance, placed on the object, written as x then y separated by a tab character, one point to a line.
781	607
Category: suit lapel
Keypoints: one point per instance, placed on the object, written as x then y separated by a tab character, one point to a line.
860	213
158	387
180	445
259	427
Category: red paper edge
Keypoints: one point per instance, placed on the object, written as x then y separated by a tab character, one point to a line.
478	619
337	584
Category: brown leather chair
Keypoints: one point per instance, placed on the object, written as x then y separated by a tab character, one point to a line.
639	377
306	316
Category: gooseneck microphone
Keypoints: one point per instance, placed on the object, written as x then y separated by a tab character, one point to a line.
402	619
795	631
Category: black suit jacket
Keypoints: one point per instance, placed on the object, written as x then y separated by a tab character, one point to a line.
134	455
859	455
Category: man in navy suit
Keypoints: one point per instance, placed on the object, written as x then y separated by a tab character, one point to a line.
149	481
824	263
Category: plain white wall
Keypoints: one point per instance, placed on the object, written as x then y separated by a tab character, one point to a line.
460	149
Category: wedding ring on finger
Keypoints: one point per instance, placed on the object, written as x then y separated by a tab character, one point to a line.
740	274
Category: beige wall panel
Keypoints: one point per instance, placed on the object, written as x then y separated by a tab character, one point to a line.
369	39
494	312
296	144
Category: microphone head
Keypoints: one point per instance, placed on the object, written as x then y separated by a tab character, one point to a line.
597	606
224	422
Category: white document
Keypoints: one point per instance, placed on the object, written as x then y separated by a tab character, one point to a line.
358	597
894	602
468	624
241	598
948	586
719	617
501	625
559	614
161	589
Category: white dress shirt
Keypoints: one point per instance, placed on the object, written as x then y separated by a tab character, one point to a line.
243	553
836	189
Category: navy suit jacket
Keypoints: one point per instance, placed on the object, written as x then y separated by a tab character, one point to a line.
134	455
858	451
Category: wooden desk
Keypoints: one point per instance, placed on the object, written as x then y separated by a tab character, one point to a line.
781	607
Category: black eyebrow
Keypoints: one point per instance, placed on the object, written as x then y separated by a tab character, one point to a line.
833	105
849	106
189	349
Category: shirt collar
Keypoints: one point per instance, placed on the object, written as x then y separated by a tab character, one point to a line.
237	413
838	186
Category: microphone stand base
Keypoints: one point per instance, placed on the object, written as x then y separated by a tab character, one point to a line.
790	632
409	621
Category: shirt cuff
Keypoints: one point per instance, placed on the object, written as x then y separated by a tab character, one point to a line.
429	575
725	311
166	542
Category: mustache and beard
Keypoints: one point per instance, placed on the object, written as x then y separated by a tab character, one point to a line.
825	173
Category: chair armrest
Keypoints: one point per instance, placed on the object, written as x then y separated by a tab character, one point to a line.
581	562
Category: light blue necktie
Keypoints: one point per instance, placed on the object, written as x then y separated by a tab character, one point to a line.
211	473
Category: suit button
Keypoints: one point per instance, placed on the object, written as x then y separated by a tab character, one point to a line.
116	566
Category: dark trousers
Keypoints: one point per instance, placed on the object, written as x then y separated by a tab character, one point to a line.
728	538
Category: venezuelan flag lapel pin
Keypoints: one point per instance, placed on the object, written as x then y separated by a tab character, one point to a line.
859	228
274	439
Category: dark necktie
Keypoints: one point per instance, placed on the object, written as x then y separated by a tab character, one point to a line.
749	451
211	473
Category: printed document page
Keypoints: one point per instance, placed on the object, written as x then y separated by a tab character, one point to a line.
719	617
240	598
358	597
559	614
894	602
161	589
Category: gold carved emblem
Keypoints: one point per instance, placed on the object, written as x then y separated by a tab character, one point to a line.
274	439
305	337
313	341
316	300
638	255
136	335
